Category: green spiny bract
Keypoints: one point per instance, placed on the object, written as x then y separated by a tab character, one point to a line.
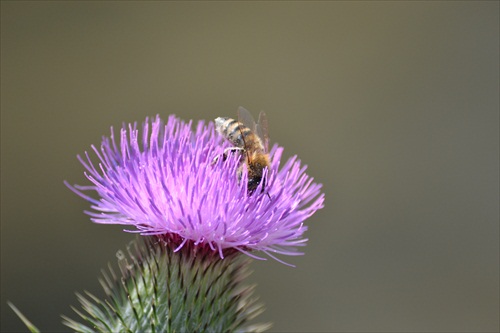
159	290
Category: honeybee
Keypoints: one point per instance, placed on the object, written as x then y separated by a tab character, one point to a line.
251	140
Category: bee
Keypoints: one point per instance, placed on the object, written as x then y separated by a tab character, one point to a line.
251	140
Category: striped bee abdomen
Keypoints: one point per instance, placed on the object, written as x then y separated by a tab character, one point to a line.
238	134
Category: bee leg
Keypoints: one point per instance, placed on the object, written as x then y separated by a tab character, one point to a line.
226	152
216	158
232	149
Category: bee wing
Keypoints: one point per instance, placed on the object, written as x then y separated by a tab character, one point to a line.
245	117
262	130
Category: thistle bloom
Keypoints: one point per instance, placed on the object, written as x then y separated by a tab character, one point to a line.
166	180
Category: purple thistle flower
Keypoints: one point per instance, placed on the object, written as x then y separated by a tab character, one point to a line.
166	180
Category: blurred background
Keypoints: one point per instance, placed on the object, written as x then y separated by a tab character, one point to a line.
394	106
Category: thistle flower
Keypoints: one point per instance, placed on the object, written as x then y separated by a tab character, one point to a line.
167	180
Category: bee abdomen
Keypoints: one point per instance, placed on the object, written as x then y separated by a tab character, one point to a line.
237	133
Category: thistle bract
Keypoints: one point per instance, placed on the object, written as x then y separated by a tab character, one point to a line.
167	180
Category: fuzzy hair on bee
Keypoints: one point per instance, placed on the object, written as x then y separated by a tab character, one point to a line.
251	140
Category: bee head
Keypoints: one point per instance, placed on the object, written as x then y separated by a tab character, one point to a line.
254	182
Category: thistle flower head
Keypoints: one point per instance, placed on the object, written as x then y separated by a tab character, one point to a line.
167	180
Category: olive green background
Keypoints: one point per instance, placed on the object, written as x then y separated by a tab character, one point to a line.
394	106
